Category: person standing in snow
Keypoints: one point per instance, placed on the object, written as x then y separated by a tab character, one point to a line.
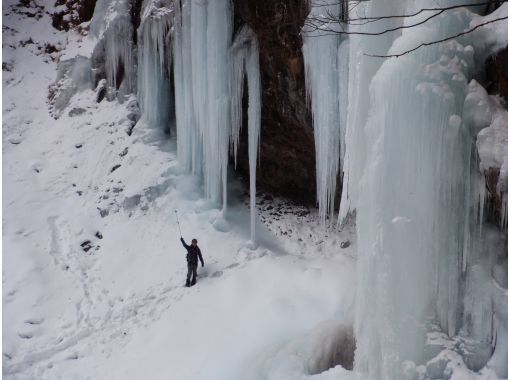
192	257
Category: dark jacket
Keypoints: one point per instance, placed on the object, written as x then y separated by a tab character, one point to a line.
193	254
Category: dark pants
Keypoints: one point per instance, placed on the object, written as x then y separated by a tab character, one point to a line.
192	271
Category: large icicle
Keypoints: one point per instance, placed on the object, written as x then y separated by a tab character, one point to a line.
246	61
412	180
155	63
324	65
218	68
202	40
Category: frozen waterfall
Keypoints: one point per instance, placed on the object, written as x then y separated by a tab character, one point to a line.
325	57
409	137
425	256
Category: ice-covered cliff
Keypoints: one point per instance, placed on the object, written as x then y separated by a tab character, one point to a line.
412	142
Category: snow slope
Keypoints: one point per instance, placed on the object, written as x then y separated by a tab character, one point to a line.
93	270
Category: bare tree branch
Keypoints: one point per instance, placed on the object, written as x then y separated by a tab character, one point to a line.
437	41
386	30
426	9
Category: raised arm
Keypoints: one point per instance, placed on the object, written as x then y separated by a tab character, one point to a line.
184	244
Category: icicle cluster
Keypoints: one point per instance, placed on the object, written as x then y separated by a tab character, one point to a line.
155	90
111	24
326	71
203	62
192	40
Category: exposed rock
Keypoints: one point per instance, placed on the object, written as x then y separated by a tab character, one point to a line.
103	212
86	245
287	152
76	111
123	153
115	167
75	13
101	89
496	69
494	197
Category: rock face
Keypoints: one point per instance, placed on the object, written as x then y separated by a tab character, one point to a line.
75	12
496	69
287	151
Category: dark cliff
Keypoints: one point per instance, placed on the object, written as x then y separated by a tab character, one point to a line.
287	151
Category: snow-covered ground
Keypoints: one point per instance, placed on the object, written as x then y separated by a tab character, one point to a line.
93	270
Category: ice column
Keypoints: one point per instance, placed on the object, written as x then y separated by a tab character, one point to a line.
189	141
218	68
246	63
409	172
155	63
203	31
361	71
324	68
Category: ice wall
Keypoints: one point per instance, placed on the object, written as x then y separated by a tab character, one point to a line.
425	257
325	70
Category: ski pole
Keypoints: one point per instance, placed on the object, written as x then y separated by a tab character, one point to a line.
178	225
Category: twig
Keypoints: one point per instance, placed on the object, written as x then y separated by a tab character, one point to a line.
437	41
